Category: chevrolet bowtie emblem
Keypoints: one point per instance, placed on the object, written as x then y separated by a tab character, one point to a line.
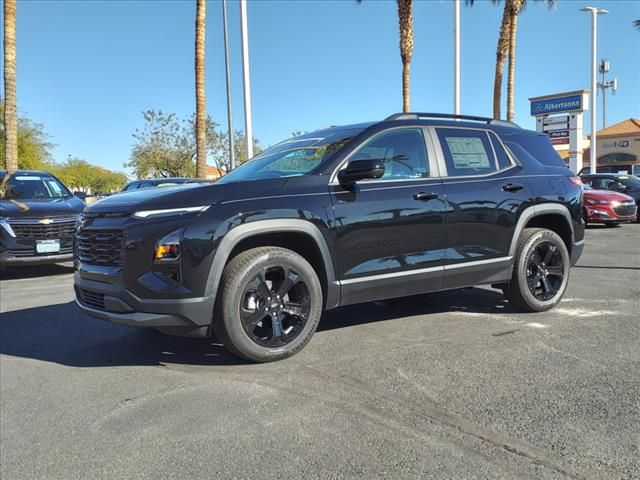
45	221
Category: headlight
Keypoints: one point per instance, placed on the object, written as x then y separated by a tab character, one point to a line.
168	247
169	211
597	202
5	224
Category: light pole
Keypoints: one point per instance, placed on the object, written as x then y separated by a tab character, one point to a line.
594	37
246	81
227	67
456	57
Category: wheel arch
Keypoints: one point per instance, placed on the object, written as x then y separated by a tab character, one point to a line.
555	217
301	236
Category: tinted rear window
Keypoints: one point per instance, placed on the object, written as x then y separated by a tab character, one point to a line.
538	146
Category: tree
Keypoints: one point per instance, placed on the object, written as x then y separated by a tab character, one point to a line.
636	23
165	146
201	107
405	21
10	108
507	49
78	174
34	147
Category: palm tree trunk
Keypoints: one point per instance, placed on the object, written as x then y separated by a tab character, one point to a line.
511	76
201	106
10	109
405	20
406	87
501	54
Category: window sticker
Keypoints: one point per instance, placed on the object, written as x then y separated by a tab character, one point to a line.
468	152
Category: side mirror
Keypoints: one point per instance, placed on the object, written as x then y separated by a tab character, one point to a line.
80	195
361	170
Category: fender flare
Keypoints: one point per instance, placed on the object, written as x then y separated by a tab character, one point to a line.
535	211
242	232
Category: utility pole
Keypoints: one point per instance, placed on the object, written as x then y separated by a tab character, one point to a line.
246	80
594	40
227	67
613	85
456	57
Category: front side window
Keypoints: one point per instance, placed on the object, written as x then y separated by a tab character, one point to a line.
466	152
403	153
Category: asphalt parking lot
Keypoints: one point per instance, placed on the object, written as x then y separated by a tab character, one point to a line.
447	385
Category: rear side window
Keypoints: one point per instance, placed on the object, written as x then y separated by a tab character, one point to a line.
466	152
538	146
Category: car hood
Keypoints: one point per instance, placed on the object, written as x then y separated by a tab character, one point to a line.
185	195
51	207
607	195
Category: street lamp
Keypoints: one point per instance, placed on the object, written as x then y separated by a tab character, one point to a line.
456	57
594	35
246	80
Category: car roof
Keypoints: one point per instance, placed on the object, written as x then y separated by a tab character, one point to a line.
498	126
607	174
28	172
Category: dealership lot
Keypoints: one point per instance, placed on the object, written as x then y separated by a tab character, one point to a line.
447	385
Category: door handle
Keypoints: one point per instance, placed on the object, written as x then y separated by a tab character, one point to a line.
512	187
424	196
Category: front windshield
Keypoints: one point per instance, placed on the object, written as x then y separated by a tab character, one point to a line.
294	157
34	187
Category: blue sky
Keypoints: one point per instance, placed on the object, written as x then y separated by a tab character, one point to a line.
86	69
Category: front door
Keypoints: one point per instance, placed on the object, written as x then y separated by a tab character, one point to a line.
390	232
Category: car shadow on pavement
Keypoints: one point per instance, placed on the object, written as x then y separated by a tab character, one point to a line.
35	271
63	334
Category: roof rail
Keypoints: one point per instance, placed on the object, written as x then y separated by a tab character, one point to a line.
417	115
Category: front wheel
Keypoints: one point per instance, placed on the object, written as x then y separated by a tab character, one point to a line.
270	304
540	273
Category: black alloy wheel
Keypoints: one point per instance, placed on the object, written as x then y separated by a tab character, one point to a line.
275	306
540	271
545	271
269	305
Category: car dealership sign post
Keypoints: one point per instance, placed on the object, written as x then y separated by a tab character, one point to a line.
560	117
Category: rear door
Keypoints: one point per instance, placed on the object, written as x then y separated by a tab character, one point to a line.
486	190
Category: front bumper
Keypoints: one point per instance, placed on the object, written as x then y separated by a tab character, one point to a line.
108	301
8	260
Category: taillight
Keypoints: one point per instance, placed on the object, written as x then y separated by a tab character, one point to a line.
576	181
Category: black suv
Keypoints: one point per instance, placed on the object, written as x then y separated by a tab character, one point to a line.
412	204
617	182
37	219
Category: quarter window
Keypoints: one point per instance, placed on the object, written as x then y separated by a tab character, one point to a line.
466	152
402	151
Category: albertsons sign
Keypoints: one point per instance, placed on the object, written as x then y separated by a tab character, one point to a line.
557	105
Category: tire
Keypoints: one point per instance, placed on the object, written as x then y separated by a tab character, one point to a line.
548	276
251	320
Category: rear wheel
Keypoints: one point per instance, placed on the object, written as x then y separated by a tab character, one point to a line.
270	304
540	273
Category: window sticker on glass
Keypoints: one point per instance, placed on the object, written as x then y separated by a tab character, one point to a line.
468	152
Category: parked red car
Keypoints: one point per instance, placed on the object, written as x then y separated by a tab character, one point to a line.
606	206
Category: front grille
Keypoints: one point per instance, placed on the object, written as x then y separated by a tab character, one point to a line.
43	228
91	299
32	252
625	210
100	247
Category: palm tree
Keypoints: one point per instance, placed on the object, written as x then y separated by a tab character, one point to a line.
502	52
10	109
405	20
636	23
201	106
